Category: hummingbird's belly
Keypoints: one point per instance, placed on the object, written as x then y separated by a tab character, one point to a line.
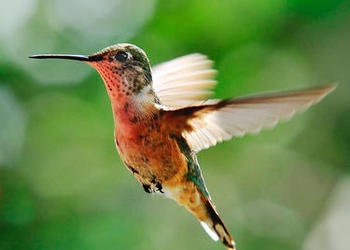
153	157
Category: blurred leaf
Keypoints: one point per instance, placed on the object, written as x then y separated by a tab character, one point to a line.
314	9
12	130
17	204
67	143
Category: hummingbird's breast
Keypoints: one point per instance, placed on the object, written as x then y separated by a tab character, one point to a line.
147	148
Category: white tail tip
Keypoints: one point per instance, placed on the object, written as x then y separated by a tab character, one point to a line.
209	231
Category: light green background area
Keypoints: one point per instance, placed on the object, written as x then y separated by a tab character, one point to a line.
62	184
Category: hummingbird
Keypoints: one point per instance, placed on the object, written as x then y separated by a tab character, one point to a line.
163	117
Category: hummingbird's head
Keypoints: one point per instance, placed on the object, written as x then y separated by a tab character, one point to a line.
124	67
123	63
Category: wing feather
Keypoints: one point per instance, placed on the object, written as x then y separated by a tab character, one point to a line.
215	121
183	81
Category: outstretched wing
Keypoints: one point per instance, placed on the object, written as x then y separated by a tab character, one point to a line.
183	81
218	120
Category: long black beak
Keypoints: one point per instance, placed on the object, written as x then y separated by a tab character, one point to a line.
92	58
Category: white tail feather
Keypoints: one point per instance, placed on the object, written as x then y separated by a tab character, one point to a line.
209	231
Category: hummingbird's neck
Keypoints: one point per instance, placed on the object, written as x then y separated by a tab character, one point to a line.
134	108
130	92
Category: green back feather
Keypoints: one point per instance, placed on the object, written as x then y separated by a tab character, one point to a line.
194	172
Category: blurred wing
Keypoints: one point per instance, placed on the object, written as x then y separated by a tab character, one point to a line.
183	81
216	121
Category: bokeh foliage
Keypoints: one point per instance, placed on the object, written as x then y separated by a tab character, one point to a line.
62	185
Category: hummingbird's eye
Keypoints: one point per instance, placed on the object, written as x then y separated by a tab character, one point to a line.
121	56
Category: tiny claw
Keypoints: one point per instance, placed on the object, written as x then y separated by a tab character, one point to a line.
147	188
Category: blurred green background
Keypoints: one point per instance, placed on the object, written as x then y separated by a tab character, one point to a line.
62	184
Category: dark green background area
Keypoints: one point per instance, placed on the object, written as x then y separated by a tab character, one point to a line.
62	184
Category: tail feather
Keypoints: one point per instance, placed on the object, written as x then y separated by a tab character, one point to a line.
215	227
200	205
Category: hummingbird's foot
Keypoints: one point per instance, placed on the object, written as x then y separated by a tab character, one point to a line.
159	187
147	188
156	185
153	188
